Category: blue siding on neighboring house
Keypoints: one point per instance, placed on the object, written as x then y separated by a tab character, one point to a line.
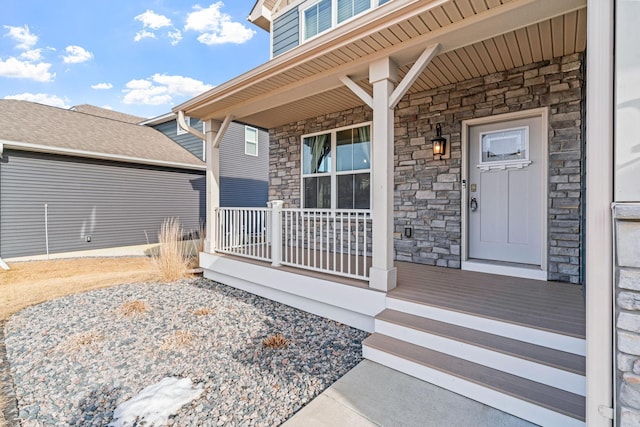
191	143
117	204
286	32
243	178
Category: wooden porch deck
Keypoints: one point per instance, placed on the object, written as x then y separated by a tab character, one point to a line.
550	306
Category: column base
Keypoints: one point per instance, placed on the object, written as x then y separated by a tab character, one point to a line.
383	279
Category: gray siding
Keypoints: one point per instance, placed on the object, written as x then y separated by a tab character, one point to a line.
243	178
116	204
186	140
286	32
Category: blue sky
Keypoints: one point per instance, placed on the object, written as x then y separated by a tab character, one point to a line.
139	57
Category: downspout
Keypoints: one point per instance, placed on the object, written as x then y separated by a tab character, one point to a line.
183	124
3	264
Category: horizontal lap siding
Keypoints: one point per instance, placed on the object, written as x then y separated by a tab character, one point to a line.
286	32
189	142
114	203
243	178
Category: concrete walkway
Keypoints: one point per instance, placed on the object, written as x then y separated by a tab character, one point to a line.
374	395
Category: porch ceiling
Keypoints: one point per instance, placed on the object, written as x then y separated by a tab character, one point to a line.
478	38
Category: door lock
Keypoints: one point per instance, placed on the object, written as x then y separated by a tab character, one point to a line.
473	204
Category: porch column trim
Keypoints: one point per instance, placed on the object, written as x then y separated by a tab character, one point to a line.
213	132
598	226
412	75
361	93
383	75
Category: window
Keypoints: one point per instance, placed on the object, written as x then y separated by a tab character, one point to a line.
336	169
319	16
179	130
250	141
349	8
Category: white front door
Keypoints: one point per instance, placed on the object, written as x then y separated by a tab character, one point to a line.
505	195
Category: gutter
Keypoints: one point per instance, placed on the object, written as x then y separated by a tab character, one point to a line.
24	146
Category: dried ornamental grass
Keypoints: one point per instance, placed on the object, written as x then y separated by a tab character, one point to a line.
275	341
132	308
79	341
202	311
177	340
172	260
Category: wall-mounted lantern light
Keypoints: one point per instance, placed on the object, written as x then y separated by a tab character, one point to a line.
439	145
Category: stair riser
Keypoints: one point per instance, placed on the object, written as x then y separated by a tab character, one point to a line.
509	330
551	376
488	396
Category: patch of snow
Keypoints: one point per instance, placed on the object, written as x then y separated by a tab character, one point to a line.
156	403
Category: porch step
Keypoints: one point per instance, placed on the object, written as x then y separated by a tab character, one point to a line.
530	400
495	326
552	367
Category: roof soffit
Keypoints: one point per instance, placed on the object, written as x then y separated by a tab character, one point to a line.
312	72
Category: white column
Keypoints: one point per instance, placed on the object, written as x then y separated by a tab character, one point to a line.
211	128
599	195
383	76
276	232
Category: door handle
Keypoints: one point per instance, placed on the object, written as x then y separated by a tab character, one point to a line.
473	204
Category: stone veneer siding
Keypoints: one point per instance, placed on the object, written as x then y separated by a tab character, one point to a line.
627	241
428	192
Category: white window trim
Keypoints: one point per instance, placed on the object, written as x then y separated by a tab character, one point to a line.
302	7
246	141
179	130
334	173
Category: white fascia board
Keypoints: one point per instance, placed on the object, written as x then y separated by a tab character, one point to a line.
260	11
159	119
25	146
508	17
309	50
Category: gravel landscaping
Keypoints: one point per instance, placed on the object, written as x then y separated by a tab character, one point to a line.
75	359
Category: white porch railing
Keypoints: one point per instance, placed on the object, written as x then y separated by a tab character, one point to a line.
243	232
335	242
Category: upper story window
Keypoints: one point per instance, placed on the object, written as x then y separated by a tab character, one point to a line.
250	141
319	16
179	130
348	8
336	169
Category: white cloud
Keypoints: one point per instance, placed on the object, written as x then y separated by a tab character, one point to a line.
102	86
23	36
107	107
152	20
76	55
143	34
15	68
175	37
41	98
31	55
216	27
160	89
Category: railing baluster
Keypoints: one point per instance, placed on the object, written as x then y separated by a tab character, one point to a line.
349	243
357	260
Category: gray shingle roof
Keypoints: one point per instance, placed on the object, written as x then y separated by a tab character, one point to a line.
60	130
107	114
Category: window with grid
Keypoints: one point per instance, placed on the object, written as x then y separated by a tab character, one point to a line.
250	141
336	169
